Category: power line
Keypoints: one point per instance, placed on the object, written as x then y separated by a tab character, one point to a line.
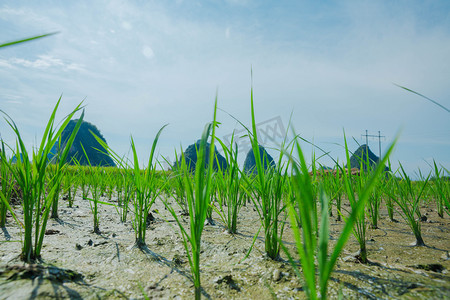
379	136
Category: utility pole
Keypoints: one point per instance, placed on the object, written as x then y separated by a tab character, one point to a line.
379	144
379	136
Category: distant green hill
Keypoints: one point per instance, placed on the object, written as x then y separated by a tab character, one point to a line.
364	157
250	161
94	150
190	156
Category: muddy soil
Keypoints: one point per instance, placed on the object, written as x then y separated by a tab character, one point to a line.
80	264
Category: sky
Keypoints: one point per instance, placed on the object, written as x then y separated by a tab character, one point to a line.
324	68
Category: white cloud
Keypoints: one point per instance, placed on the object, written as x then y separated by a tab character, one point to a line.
5	64
227	32
126	25
148	52
42	62
29	18
15	102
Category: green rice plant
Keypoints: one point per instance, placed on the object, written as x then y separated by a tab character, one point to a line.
326	183
266	193
103	181
425	197
212	199
145	186
230	195
314	176
54	211
312	249
119	187
110	180
338	189
178	185
354	186
146	192
374	205
26	39
6	184
440	190
446	191
333	187
388	192
388	189
425	97
70	186
408	198
198	191
125	191
84	183
30	174
129	193
94	186
107	181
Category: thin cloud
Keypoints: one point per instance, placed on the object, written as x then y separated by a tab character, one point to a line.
148	52
126	25
42	62
227	32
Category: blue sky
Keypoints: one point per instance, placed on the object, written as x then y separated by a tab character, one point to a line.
141	64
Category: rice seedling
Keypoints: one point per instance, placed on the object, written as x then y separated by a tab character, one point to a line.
310	247
338	190
54	211
387	190
146	193
70	185
127	194
84	184
425	194
6	184
425	97
440	190
266	193
124	191
178	185
408	199
230	195
110	182
144	186
26	39
30	174
374	205
354	186
198	191
212	199
446	191
269	206
332	185
94	184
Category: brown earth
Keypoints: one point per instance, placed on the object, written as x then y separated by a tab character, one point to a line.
79	264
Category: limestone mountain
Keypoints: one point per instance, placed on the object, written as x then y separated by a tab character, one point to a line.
94	151
364	157
190	155
250	162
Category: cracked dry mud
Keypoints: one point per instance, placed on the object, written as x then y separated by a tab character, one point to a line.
79	264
